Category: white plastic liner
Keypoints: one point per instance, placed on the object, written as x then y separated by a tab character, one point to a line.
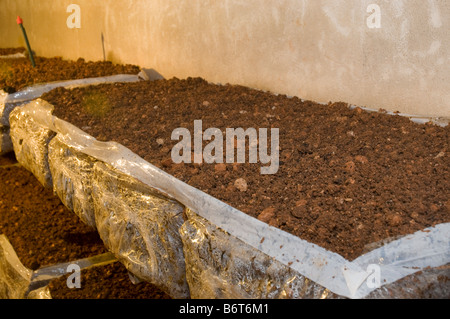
13	56
5	140
429	248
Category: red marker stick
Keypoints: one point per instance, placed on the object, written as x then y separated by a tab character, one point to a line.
20	23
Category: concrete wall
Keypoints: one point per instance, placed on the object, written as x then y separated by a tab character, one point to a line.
322	50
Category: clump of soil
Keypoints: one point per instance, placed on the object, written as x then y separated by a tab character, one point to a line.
105	282
347	178
16	74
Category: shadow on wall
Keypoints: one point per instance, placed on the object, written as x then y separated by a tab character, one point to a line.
112	57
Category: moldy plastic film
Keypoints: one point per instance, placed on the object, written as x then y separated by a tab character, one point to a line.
220	266
6	109
17	55
30	141
140	226
71	173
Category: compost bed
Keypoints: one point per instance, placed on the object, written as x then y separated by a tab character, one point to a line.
347	178
43	232
16	74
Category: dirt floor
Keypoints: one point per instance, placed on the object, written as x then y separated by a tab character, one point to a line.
16	74
106	282
347	178
44	232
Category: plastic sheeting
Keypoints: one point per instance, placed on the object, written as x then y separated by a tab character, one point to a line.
441	121
135	222
396	260
220	266
30	141
141	227
33	92
14	56
5	140
71	173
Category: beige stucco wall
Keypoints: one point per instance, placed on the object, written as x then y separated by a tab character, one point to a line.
321	50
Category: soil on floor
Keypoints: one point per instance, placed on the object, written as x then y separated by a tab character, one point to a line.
16	74
347	178
44	232
106	282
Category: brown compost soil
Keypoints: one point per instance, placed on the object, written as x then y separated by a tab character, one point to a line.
7	51
105	282
347	178
40	228
16	74
44	232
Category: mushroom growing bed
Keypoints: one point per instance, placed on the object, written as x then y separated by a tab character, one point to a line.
346	178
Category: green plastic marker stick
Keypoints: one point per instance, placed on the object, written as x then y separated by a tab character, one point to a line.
20	22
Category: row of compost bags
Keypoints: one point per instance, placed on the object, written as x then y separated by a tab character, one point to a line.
193	245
